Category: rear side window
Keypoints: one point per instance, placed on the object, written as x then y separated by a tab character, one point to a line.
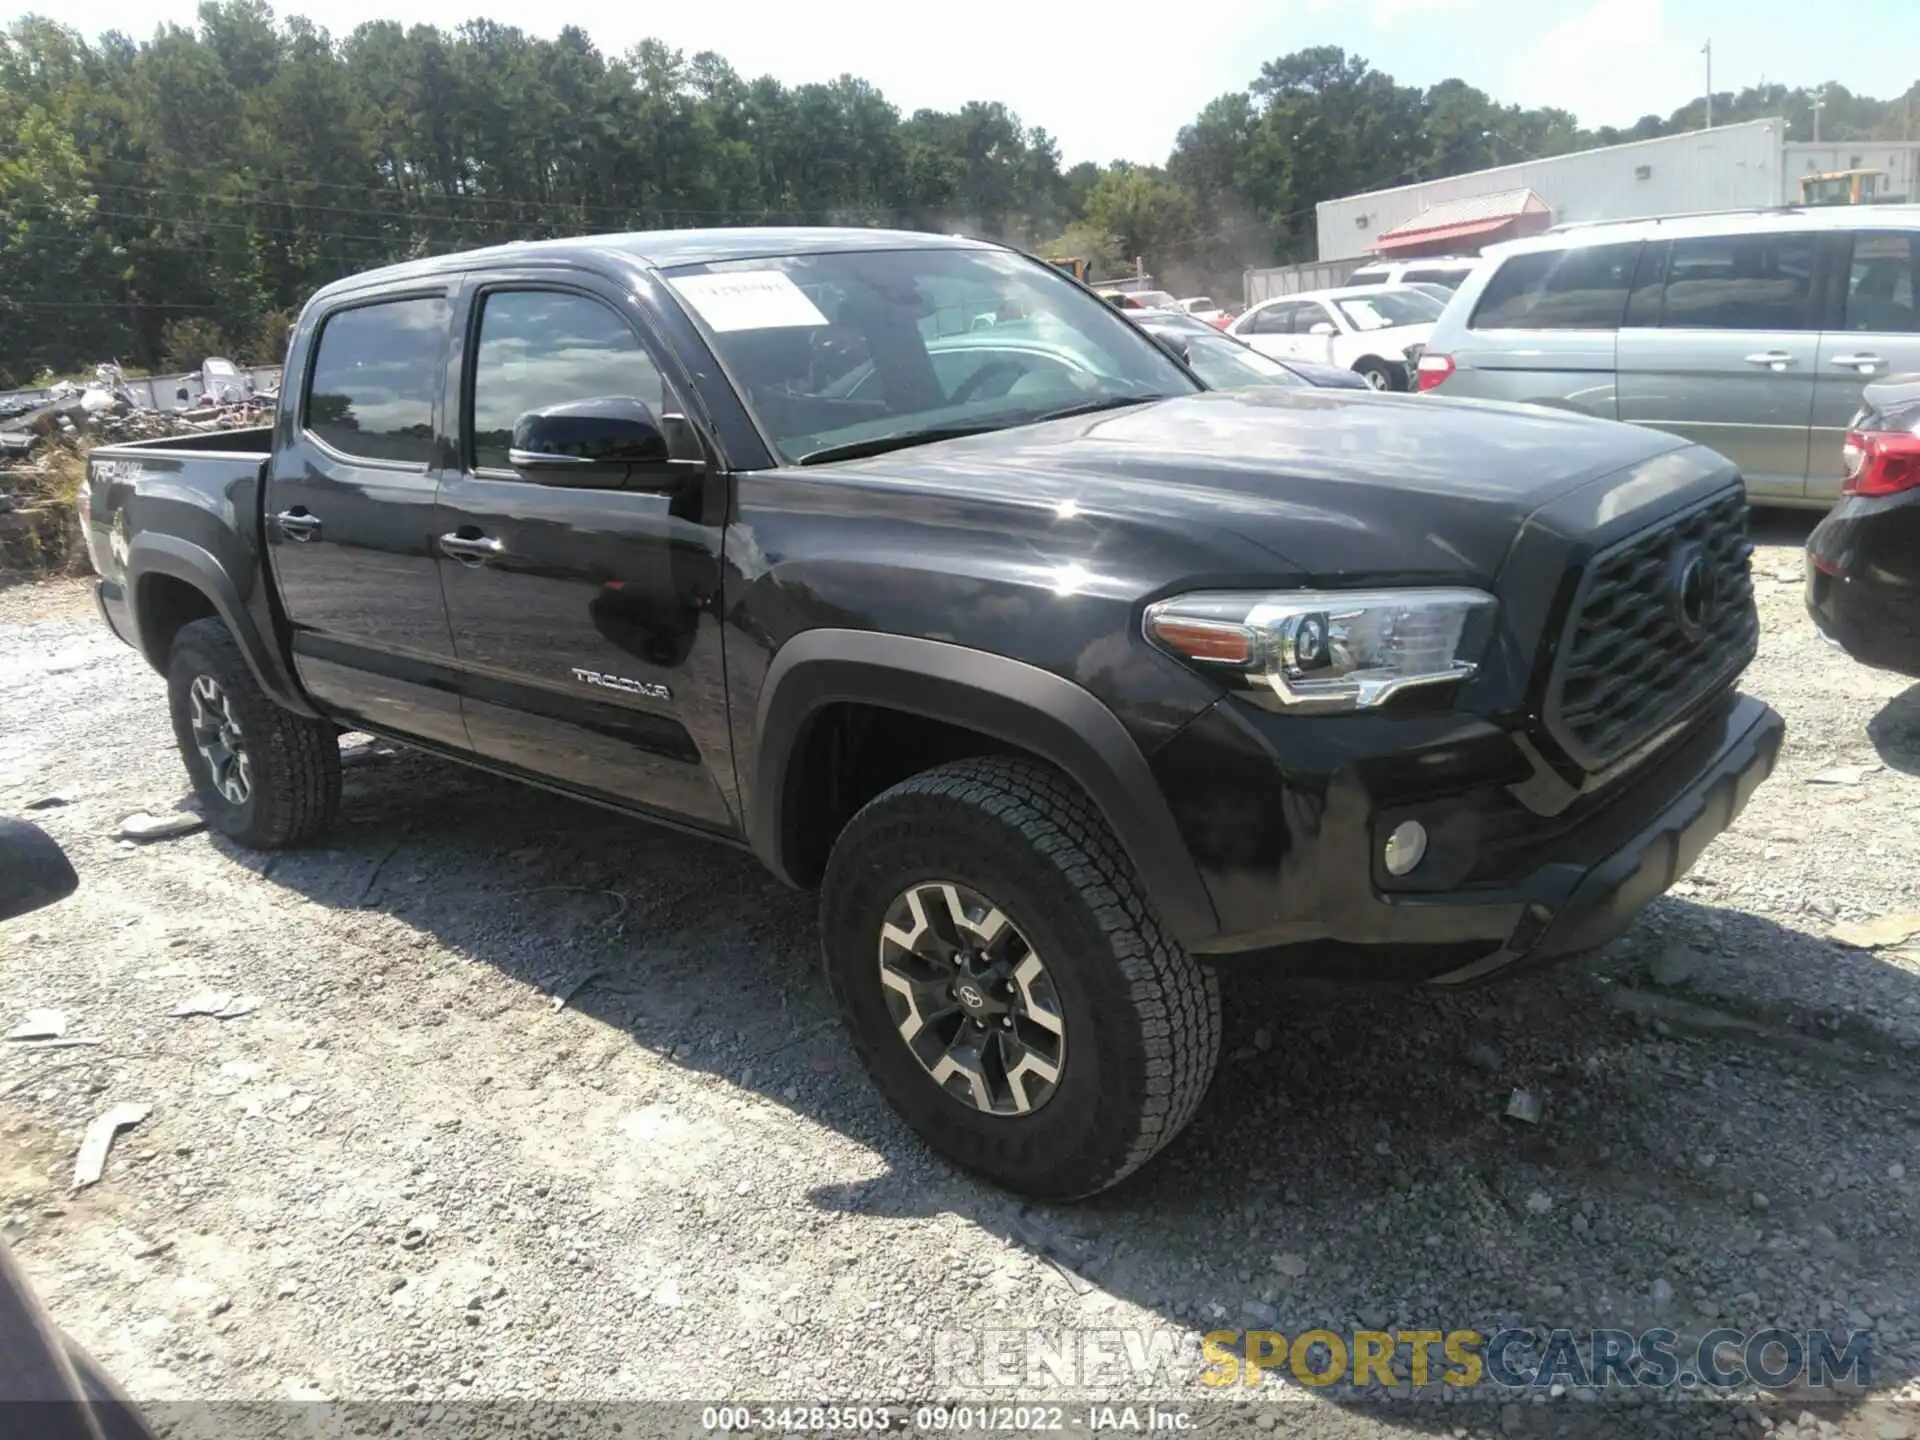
375	371
1741	282
1367	277
1882	283
1584	288
1274	320
1449	278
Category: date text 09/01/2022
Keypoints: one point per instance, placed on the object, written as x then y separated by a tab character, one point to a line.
938	1419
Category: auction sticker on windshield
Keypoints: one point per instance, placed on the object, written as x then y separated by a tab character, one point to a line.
748	300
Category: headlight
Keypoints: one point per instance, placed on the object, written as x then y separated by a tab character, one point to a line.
1328	649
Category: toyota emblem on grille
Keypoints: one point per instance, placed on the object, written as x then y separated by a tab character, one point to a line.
1690	590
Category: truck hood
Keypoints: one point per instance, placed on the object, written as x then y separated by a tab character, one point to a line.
1337	483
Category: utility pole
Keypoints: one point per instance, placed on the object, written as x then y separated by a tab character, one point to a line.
1818	99
1707	50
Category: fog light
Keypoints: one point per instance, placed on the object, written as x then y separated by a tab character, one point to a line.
1406	847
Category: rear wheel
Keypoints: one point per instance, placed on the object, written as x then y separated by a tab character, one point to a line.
1006	984
263	775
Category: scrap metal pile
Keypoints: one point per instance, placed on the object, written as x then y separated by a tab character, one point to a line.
44	439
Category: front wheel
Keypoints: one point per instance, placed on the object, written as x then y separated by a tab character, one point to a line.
1378	374
263	775
1007	985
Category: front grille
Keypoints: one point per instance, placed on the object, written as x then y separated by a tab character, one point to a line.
1629	663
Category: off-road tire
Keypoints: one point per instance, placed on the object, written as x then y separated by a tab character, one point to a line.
295	791
1142	1018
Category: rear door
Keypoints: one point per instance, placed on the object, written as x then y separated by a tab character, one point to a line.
1546	328
1728	354
585	621
1879	335
350	518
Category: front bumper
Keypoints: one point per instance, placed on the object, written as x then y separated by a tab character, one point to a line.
1863	579
1293	866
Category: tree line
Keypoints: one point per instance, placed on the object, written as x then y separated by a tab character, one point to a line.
167	198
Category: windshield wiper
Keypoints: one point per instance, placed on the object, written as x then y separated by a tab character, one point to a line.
901	440
1093	407
881	444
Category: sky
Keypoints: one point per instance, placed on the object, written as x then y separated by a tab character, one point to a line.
1107	90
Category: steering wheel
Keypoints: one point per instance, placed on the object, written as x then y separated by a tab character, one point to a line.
965	390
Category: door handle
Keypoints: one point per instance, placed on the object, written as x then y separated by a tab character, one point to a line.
1864	363
471	550
298	525
1772	359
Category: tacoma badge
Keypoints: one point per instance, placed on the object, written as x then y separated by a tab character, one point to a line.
622	684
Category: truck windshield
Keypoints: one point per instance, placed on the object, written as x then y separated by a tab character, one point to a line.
1227	364
872	350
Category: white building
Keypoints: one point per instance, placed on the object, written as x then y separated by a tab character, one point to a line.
1726	168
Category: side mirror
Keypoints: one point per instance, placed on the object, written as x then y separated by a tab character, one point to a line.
607	442
34	870
1322	327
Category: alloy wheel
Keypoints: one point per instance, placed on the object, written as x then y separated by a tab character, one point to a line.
220	740
972	998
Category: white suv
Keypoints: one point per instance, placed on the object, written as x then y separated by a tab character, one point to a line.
1376	331
1446	270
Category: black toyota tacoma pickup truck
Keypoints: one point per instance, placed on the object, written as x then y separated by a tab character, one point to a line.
906	563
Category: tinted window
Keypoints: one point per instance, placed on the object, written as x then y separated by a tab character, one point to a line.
1582	288
541	347
375	371
1449	278
1367	277
1273	320
1649	284
1740	282
1881	284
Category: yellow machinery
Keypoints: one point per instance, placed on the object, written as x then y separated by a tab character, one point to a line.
1073	265
1844	187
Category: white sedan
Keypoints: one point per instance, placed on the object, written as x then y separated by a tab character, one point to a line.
1376	331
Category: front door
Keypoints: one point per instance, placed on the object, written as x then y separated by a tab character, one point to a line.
1879	336
350	520
1728	355
585	621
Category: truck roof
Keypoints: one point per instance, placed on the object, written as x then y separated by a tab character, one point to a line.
665	248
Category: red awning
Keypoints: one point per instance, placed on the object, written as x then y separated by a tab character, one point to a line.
1504	214
1420	239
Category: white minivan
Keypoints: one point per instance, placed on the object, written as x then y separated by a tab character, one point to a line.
1752	333
1376	331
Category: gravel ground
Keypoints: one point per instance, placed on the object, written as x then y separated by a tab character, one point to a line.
538	1103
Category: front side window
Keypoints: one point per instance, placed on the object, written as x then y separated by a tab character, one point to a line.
546	347
1882	283
885	348
375	371
1741	282
1584	287
1389	309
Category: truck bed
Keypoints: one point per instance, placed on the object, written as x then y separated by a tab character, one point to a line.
255	441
